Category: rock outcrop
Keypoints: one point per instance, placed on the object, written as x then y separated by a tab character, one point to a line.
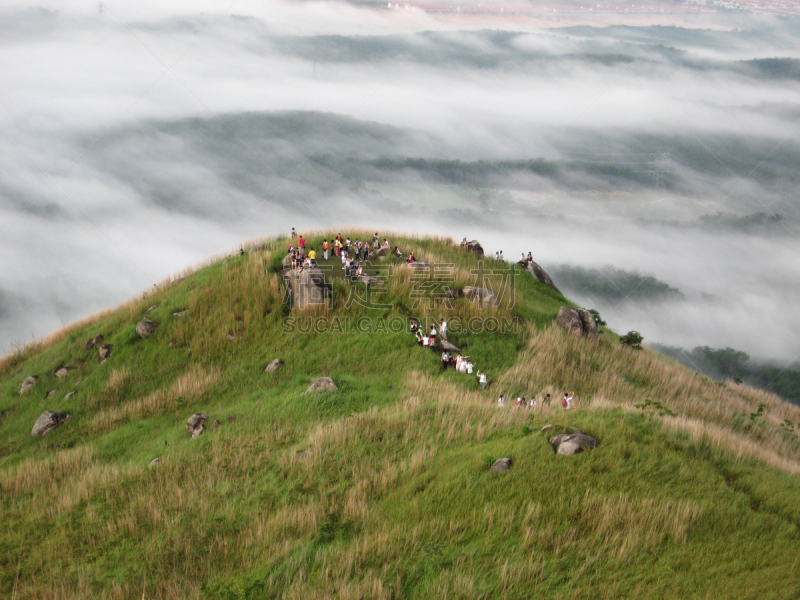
306	287
196	424
483	296
323	384
444	345
47	422
540	275
63	371
104	352
274	365
146	327
28	384
501	465
567	444
155	462
578	322
287	261
383	251
98	339
474	246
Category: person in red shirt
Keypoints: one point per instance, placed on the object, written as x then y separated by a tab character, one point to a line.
301	242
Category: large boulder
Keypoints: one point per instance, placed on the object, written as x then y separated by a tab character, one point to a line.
323	384
540	275
63	371
274	365
501	465
474	246
383	251
28	384
483	296
368	280
196	424
567	444
47	422
417	265
98	339
578	322
146	327
287	261
306	287
444	345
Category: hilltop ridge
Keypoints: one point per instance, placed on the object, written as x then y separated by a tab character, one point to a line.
381	488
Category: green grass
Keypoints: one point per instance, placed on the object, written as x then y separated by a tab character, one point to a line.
380	489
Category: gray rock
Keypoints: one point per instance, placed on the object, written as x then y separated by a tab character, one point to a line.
323	384
216	425
501	465
198	431
151	309
62	371
540	275
417	265
474	246
52	393
567	444
483	296
232	336
383	251
447	346
47	422
274	365
306	287
68	395
547	428
146	327
231	419
105	351
287	261
195	422
578	322
98	339
28	384
180	313
368	280
155	462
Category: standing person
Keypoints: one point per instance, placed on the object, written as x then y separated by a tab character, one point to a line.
357	246
469	367
301	243
501	255
347	245
482	379
532	403
497	255
569	400
501	401
530	257
294	233
366	251
375	240
565	402
325	247
434	333
312	257
445	360
443	329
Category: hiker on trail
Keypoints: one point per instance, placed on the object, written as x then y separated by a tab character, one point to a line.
419	335
366	251
325	246
532	403
482	379
347	245
375	240
358	250
241	251
546	400
434	333
443	329
301	243
312	257
338	245
568	398
344	260
414	326
470	366
294	233
501	401
290	249
445	360
426	341
497	255
501	255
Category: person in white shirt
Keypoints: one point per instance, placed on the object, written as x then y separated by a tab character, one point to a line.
501	255
425	341
501	401
443	329
497	255
569	399
483	380
470	366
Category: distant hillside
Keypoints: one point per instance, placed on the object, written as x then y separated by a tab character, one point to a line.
381	488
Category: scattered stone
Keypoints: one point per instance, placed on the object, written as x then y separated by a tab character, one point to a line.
104	352
152	308
369	280
501	465
47	422
287	261
540	275
52	393
171	344
195	424
28	383
231	419
417	265
444	345
306	287
578	322
180	313
474	246
68	395
146	327
233	336
485	297
547	428
63	371
216	425
274	365
323	384
155	461
98	339
567	444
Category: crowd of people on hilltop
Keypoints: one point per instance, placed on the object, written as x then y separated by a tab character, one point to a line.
353	253
522	402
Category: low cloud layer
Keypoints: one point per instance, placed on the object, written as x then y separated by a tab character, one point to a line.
138	141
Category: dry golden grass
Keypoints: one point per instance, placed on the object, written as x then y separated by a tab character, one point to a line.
117	379
188	386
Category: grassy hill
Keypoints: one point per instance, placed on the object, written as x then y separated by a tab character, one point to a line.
382	488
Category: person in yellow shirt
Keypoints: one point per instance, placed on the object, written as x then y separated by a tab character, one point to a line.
312	256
